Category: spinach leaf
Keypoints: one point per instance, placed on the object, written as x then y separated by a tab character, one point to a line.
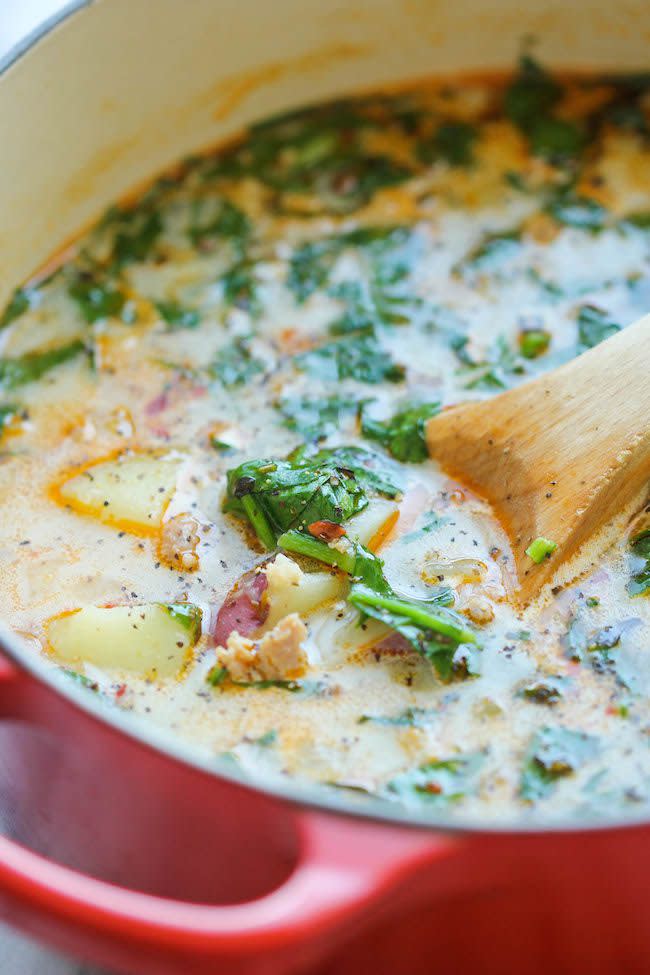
453	142
594	326
373	471
229	222
494	372
234	364
434	633
555	138
96	296
573	210
492	251
532	94
240	289
639	583
409	718
404	434
31	366
18	304
177	316
316	417
529	103
311	263
553	753
359	357
279	495
139	231
439	783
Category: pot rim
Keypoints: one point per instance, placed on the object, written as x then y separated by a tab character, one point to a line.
314	797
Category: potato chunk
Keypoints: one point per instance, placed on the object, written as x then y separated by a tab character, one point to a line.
130	491
151	640
290	590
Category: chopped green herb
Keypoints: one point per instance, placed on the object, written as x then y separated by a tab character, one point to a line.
410	718
240	289
534	342
404	434
540	549
135	241
532	94
555	138
229	222
577	211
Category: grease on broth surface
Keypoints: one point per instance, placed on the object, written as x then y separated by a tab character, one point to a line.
273	325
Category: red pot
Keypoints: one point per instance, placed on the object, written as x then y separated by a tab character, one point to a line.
127	851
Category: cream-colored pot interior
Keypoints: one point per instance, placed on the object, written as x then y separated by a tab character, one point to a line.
122	88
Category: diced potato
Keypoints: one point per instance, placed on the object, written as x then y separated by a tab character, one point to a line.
372	526
290	590
130	491
152	640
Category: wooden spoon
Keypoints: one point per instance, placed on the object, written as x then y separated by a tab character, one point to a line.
560	455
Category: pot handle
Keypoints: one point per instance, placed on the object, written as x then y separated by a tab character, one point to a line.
345	870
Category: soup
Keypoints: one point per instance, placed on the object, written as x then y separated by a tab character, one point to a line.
219	512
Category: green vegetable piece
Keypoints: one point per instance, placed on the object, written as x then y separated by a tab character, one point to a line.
188	616
439	783
594	326
136	240
540	549
176	316
240	289
409	718
534	342
545	691
316	417
576	211
375	472
640	220
639	583
555	138
280	495
30	367
532	94
554	753
17	306
453	142
234	364
358	357
404	434
96	297
230	222
435	634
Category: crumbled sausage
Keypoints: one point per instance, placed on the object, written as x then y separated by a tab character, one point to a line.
179	541
278	655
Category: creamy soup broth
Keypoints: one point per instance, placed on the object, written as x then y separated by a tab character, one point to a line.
268	328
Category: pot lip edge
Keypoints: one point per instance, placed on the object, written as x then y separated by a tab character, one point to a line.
25	44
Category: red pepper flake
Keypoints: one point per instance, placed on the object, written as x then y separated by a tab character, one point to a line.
327	531
120	690
432	788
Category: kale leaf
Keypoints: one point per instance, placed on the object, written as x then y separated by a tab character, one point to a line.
358	356
18	304
316	417
234	364
553	753
453	142
439	783
177	316
639	583
31	366
594	326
